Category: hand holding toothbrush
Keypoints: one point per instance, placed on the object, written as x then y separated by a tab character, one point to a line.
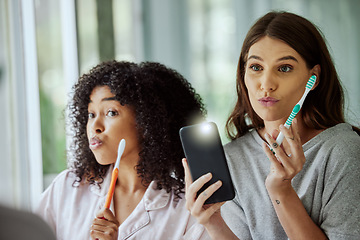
105	225
283	166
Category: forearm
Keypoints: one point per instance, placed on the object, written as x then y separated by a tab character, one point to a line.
294	218
218	229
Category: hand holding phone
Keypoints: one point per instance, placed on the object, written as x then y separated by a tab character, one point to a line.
204	152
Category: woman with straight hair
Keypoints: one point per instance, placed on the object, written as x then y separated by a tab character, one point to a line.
308	186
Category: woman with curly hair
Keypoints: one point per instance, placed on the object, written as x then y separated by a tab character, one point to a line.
146	104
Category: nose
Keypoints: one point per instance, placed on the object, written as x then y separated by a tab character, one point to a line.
268	82
97	126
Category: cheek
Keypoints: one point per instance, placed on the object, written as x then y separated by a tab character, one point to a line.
294	93
87	131
250	87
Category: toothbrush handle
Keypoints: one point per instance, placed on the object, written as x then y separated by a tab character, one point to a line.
281	136
112	188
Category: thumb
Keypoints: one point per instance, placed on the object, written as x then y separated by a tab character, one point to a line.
275	133
107	214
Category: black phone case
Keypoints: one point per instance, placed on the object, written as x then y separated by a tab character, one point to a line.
204	152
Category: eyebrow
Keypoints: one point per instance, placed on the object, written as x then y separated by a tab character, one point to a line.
255	57
289	57
106	99
109	99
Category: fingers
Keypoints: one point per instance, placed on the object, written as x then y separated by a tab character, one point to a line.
105	226
204	216
289	165
102	233
279	153
292	138
192	189
202	212
275	133
274	161
188	178
206	194
290	134
194	203
108	215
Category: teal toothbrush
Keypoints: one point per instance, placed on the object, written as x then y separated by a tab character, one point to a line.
297	108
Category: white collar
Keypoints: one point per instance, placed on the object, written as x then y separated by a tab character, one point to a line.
153	198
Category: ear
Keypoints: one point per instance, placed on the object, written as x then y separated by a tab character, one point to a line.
316	70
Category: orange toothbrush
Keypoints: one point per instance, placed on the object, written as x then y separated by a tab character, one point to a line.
115	174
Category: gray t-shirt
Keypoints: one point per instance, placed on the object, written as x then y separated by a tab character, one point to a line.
328	186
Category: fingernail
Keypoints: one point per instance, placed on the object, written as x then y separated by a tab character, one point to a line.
267	135
208	175
272	151
281	126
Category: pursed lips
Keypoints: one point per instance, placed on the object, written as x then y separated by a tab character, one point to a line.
95	143
267	101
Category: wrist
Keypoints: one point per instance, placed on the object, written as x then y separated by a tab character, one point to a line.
214	222
280	190
218	229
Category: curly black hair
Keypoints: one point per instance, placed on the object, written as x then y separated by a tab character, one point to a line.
163	102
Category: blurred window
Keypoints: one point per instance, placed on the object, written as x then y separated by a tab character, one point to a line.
51	87
104	32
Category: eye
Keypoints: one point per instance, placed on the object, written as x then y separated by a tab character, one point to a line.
91	115
285	68
111	113
255	67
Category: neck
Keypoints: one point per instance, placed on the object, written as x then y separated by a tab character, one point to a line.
128	178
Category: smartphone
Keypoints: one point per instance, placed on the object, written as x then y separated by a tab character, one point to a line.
204	152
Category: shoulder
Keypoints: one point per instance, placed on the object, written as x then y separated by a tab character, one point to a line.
64	184
343	131
340	140
248	146
337	149
66	177
249	138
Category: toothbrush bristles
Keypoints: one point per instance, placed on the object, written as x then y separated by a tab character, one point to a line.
311	82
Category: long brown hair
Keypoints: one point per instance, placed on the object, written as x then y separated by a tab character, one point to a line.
323	112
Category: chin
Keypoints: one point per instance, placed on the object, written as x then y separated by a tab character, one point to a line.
271	117
101	161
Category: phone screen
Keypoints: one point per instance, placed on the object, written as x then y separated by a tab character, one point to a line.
204	152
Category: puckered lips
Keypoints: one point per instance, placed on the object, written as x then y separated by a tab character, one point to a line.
268	101
95	143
